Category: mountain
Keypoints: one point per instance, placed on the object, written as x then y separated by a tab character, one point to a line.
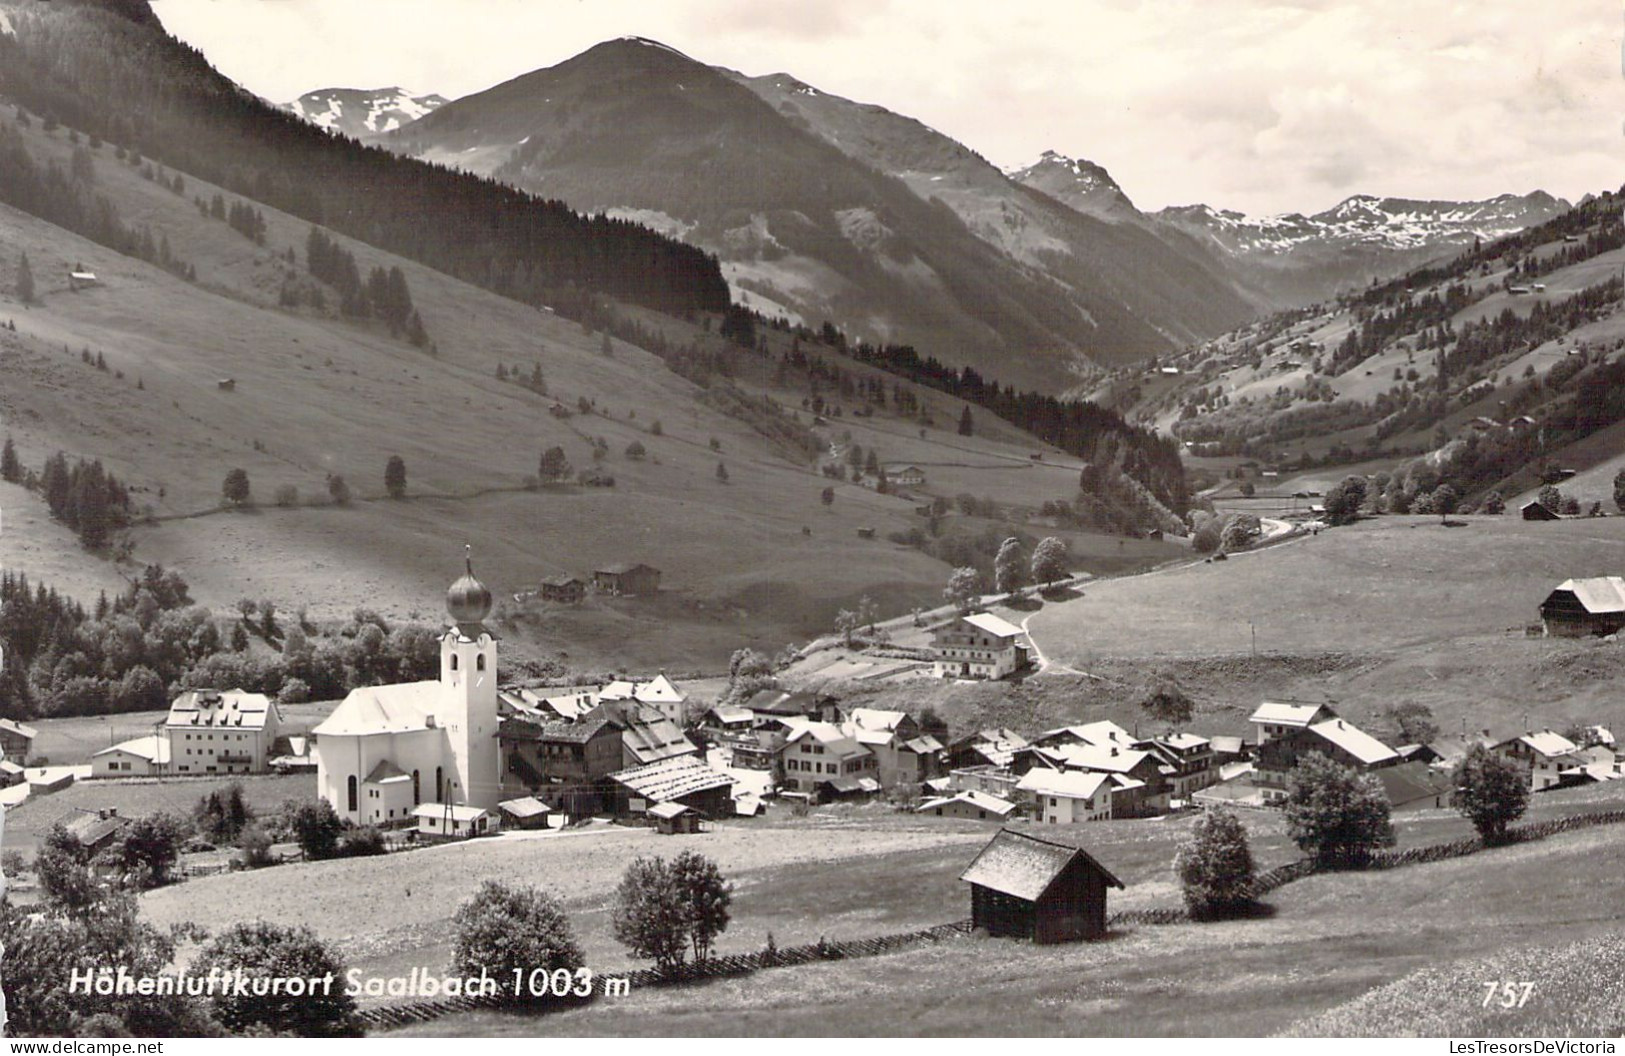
1080	184
813	226
1303	258
360	113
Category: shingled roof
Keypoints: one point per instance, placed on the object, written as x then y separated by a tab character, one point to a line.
1025	866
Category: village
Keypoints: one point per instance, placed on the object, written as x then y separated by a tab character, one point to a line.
466	756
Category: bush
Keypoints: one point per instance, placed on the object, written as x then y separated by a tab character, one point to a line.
261	949
1206	538
316	827
1491	792
1336	814
365	842
503	930
662	910
286	495
255	845
148	849
1215	867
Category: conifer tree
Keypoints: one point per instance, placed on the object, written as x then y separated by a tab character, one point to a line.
25	280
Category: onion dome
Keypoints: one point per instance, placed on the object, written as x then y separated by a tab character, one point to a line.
468	600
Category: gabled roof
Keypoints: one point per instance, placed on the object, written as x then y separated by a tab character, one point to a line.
153	748
91	827
1229	745
729	714
554	731
233	709
972	798
524	807
1104	732
1354	741
986	621
620	568
1094	757
1597	593
1289	714
399	708
830	736
1409	782
875	719
385	772
1546	742
18	728
671	779
1073	784
563	581
667	811
1025	866
652	740
924	744
1182	741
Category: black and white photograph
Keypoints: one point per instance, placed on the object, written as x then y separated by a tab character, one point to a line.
529	519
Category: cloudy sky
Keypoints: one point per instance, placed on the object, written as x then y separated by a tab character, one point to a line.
1267	107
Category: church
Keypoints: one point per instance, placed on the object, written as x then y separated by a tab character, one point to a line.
386	750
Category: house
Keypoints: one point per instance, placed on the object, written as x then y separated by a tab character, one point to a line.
658	693
442	733
1188	762
454	821
16	741
226	384
626	580
211	732
1104	733
94	829
1543	755
1140	787
994	780
845	787
902	755
1535	510
524	812
1274	719
674	818
1414	785
818	707
81	278
977	646
1578	607
547	703
1027	887
564	589
995	747
977	806
647	736
11	775
681	779
908	476
1228	749
1063	797
141	757
1339	740
816	751
564	764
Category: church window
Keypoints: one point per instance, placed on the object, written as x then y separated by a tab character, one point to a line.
479	662
438	784
417	796
454	661
352	792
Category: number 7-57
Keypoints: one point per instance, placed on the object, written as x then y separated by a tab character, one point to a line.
1507	994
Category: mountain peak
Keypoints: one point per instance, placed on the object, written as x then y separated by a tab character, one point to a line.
362	112
1077	182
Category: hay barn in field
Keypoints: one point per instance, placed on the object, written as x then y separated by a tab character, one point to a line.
1030	888
1578	607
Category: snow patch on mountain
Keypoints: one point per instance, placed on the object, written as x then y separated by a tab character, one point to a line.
6	29
362	112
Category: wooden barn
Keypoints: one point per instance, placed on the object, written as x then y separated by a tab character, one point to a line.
627	579
1535	510
565	589
1026	887
1578	607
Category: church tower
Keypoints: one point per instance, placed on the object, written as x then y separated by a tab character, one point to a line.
468	680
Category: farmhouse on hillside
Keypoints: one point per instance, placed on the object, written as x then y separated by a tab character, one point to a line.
1062	797
1578	607
976	806
683	780
626	580
906	476
1274	719
442	734
564	589
977	646
564	764
1341	741
1535	510
16	741
1026	887
1543	755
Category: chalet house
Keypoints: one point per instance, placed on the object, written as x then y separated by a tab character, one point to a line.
1063	797
16	741
1544	755
565	764
1140	787
815	707
1027	887
544	705
658	693
1275	719
1580	607
647	738
566	590
1414	785
907	476
991	747
976	806
1187	762
138	757
94	829
1339	740
902	756
993	780
684	780
817	751
977	646
454	821
1104	733
627	580
1535	510
672	819
211	732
